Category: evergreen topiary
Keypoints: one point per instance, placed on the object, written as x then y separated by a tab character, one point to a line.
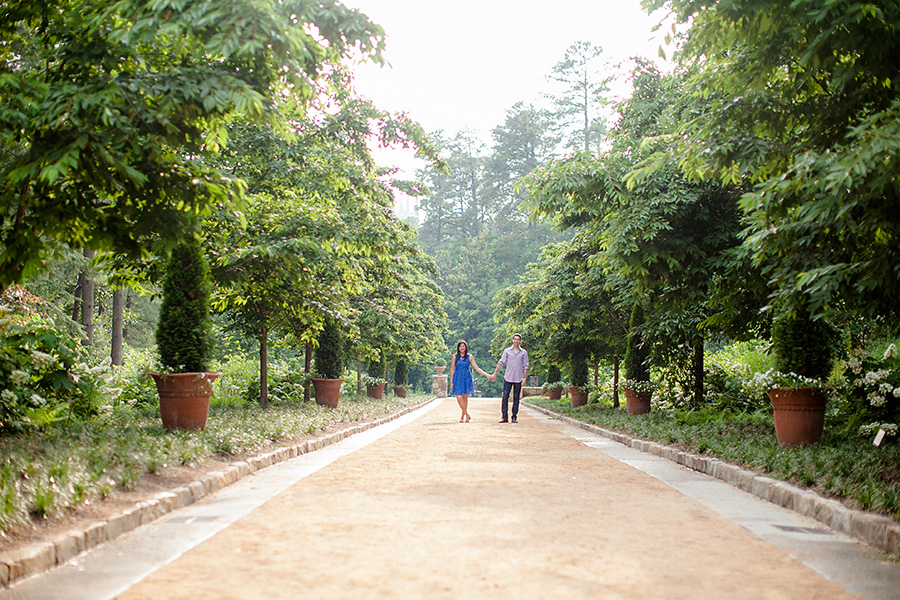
636	368
804	346
401	373
184	334
579	370
553	374
329	354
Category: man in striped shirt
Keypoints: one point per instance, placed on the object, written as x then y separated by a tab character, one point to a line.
516	360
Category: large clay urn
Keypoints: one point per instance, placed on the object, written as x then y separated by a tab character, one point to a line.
799	415
579	396
184	399
376	391
328	391
637	403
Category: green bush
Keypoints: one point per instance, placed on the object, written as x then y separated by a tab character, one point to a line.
401	372
328	356
580	371
636	357
184	334
804	346
44	375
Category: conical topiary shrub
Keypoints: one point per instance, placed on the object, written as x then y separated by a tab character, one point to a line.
329	364
184	334
184	340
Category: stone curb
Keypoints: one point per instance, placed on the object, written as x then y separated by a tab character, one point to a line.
876	531
42	556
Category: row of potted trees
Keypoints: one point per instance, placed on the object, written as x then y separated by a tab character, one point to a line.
184	341
804	351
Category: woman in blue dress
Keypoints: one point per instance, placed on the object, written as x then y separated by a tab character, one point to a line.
461	365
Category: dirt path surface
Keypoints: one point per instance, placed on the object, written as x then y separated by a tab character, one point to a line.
440	509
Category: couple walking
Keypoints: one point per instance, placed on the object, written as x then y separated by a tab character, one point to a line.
461	364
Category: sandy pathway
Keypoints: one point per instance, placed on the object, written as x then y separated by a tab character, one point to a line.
440	509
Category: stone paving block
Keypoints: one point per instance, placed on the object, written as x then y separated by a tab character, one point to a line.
123	522
30	559
4	574
95	534
892	540
805	502
197	490
68	546
871	528
760	486
745	479
842	519
782	494
153	510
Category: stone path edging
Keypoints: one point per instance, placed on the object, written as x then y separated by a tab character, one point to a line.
42	556
879	532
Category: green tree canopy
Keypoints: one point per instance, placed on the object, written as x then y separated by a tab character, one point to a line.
802	100
110	108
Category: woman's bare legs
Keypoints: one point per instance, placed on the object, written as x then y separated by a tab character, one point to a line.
463	402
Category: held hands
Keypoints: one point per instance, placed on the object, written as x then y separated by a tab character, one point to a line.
492	377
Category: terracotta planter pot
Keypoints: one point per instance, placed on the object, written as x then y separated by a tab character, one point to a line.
637	404
799	415
328	391
400	391
376	392
579	396
440	370
184	399
554	394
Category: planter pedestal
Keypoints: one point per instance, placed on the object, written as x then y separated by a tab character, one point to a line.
376	392
637	404
328	391
184	399
439	385
579	396
799	415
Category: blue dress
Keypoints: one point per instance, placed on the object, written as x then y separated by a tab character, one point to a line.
462	377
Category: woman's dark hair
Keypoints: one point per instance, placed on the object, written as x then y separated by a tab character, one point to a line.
461	342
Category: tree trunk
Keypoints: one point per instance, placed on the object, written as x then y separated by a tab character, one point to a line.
264	366
128	301
358	376
307	365
616	382
76	301
88	290
697	368
118	326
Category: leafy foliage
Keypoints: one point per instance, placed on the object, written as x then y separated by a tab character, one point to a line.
805	346
183	335
329	353
111	108
44	376
801	100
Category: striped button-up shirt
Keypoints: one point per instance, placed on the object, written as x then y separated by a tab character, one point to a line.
516	364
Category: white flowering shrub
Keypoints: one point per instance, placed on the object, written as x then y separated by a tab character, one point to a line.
43	375
869	391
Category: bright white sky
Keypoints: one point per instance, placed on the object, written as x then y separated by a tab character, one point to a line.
460	65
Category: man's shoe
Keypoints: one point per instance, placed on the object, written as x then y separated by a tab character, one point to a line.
514	420
503	421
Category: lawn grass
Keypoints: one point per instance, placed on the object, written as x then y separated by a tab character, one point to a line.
862	475
48	472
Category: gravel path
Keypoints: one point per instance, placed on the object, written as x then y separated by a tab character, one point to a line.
440	509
